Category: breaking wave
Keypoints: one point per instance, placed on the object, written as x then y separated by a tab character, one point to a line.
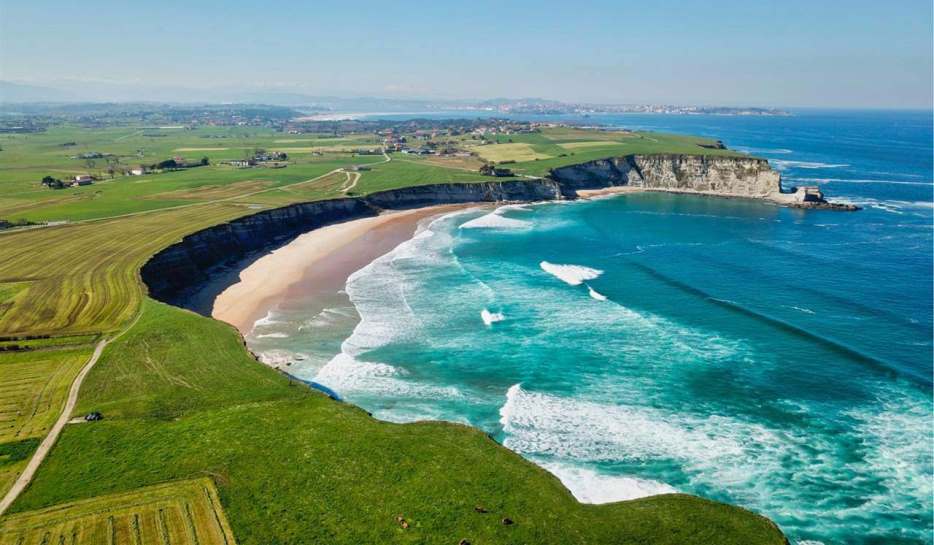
573	275
490	318
496	220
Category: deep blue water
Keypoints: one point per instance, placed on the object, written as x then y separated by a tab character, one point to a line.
778	359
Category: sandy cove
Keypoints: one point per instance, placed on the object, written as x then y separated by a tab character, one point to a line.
317	262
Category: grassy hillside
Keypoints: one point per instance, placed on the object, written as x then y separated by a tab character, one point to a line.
183	399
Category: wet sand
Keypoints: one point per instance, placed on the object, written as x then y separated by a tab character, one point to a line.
316	263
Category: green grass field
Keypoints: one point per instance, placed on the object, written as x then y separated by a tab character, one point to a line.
33	388
537	153
183	399
179	513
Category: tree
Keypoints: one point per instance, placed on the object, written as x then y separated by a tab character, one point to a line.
205	161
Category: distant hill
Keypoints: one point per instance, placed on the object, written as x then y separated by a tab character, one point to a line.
19	93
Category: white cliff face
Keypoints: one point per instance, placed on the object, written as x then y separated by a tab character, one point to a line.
713	175
729	176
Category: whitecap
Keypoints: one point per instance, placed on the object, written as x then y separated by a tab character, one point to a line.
273	336
495	220
490	318
573	275
782	164
595	294
855	181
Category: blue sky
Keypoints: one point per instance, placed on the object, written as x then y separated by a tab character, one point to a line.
784	53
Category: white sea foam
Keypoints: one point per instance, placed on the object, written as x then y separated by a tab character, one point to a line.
548	425
516	207
595	294
495	220
279	357
379	294
573	275
327	317
762	467
273	336
855	181
348	375
891	206
891	433
588	486
490	318
783	164
266	320
748	149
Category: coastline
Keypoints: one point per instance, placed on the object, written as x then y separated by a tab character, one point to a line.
316	263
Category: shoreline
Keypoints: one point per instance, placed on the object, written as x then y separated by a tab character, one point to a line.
316	263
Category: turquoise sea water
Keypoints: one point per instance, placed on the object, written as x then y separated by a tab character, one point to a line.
777	359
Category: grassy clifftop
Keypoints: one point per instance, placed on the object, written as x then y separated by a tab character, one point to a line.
183	399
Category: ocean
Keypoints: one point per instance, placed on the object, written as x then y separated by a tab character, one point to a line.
773	358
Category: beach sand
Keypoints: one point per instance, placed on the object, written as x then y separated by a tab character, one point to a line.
316	263
607	191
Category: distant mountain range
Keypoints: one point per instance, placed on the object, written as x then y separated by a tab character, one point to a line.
12	93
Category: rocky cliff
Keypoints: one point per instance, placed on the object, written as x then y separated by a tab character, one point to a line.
712	175
193	265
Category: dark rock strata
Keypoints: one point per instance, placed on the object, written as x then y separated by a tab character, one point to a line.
187	267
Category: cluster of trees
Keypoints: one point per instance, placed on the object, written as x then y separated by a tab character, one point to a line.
170	164
52	183
6	224
490	170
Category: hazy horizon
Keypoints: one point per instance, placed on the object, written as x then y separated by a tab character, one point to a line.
790	54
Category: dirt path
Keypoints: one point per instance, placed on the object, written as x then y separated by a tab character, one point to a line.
46	445
352	179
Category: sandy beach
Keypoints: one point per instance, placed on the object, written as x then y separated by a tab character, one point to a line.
607	191
317	262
